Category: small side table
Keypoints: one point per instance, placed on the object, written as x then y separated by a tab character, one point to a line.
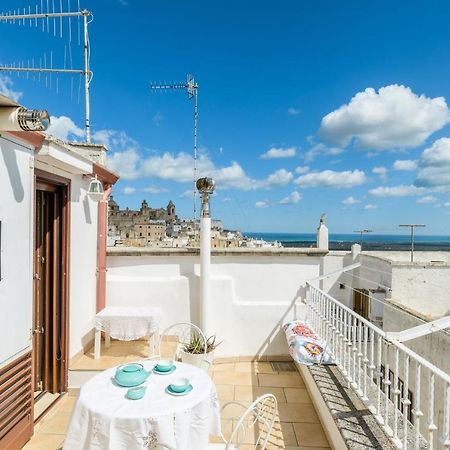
127	324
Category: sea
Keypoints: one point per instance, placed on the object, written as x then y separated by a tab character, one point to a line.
387	242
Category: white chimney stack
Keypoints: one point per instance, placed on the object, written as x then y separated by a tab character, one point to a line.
322	234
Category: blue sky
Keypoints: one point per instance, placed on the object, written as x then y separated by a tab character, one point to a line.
305	107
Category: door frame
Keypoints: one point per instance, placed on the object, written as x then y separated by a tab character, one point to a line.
46	181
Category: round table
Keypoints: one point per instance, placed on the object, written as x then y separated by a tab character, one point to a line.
104	419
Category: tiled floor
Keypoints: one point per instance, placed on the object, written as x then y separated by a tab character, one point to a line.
297	426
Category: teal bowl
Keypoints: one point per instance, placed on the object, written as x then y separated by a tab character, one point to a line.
179	385
164	366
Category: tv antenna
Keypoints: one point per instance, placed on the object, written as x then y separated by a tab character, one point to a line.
412	226
51	19
192	89
362	233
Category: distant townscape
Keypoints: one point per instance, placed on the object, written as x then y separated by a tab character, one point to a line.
161	227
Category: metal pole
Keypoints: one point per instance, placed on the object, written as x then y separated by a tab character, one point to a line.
411	227
87	76
195	162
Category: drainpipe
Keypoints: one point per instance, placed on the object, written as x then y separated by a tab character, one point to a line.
206	187
101	248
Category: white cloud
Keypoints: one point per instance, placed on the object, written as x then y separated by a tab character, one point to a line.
6	88
179	167
434	165
301	170
397	191
226	199
427	199
64	128
124	163
321	149
350	201
187	194
293	111
129	190
155	190
404	164
393	117
292	199
333	179
115	140
446	205
380	171
279	178
276	153
370	206
261	204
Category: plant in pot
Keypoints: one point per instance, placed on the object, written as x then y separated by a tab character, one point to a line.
193	352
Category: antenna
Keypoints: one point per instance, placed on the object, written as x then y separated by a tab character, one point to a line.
192	89
412	226
44	14
362	233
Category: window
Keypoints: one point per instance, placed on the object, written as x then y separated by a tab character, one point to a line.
401	388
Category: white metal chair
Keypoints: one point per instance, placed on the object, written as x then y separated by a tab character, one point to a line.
257	419
184	333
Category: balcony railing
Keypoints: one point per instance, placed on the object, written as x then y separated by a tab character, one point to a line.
408	396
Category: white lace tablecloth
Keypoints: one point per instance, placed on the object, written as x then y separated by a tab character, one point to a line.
128	323
104	419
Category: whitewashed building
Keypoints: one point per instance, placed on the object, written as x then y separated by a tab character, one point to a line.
52	247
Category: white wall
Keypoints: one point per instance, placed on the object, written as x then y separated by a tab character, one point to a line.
16	295
83	260
425	289
251	295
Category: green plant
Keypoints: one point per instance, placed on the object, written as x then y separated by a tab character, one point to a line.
196	345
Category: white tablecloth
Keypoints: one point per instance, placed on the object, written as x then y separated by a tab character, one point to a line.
104	419
128	323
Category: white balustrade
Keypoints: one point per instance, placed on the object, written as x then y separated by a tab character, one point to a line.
395	383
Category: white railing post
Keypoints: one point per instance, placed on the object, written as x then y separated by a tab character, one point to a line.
431	425
416	411
406	403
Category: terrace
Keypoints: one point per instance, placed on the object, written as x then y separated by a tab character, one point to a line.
380	394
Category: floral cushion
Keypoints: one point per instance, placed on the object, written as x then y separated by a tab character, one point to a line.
305	347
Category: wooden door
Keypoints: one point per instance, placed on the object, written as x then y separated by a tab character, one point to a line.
361	303
50	299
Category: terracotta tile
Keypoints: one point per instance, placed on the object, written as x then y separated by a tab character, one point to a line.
254	367
66	404
236	378
310	435
41	441
225	392
297	412
105	362
229	359
56	424
250	393
297	395
284	431
224	367
291	379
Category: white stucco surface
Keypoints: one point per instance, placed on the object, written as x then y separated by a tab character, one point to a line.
16	295
83	260
251	295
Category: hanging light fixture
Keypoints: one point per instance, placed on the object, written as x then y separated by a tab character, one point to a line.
95	190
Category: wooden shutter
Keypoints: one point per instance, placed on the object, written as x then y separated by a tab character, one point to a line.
16	422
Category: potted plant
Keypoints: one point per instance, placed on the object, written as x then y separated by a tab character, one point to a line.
193	352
